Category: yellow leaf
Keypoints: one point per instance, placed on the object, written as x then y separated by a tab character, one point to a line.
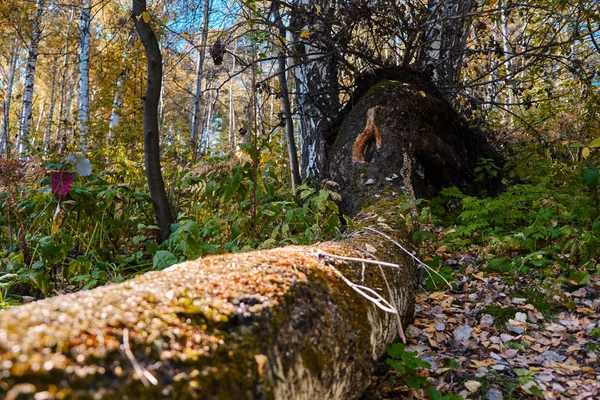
595	143
437	295
185	36
484	363
146	16
422	93
318	9
304	34
59	218
585	153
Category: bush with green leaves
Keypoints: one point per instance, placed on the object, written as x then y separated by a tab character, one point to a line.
549	216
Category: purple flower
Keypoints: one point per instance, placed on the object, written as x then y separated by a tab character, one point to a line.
61	184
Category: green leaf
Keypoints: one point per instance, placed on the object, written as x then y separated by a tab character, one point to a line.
500	264
590	178
580	277
595	143
138	239
163	259
414	381
395	350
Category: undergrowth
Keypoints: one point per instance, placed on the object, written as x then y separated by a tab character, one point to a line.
62	231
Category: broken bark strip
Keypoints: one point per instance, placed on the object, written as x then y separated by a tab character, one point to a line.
266	324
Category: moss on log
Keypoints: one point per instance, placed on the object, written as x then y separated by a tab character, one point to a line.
266	324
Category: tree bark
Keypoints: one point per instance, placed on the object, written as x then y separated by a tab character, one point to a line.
50	118
84	75
5	134
63	111
444	41
286	108
274	324
115	114
156	185
196	120
33	52
316	81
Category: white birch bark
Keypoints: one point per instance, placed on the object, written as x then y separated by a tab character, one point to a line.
33	52
507	61
84	75
5	133
232	136
316	85
199	72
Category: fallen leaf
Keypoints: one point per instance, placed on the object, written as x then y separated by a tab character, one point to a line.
484	363
473	386
463	332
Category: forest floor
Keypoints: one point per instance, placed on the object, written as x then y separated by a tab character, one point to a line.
500	337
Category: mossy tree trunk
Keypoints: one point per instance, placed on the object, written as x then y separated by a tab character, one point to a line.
267	324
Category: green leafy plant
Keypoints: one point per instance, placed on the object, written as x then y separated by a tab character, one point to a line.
408	364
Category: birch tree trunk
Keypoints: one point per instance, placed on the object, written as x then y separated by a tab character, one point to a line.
33	52
286	109
207	120
115	114
156	185
50	118
196	119
63	111
316	81
508	119
5	134
232	136
84	75
444	43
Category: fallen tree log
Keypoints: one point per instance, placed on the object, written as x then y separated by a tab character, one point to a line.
267	324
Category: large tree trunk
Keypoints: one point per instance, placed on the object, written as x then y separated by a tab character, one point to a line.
316	81
84	75
156	185
444	42
275	324
399	134
33	52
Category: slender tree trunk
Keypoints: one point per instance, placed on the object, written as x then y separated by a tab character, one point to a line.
156	185
5	133
26	110
38	124
84	75
115	114
316	84
286	109
50	117
206	122
63	112
232	136
507	60
199	72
